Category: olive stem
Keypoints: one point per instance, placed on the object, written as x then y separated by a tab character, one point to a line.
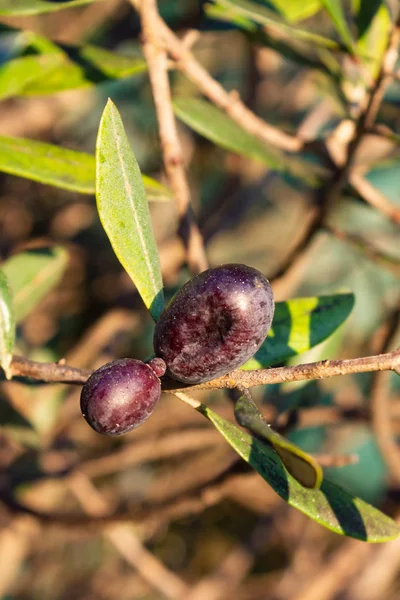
62	373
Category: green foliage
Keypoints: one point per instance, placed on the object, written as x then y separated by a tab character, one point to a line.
215	125
53	68
301	324
31	275
295	10
36	7
374	30
124	212
261	15
335	11
7	324
303	467
60	167
330	505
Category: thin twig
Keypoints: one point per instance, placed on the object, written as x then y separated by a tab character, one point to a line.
157	62
56	373
374	197
129	546
382	421
343	146
229	102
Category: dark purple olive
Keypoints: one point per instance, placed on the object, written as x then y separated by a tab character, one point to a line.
120	396
215	323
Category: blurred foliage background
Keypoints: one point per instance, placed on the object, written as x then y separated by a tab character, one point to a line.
208	527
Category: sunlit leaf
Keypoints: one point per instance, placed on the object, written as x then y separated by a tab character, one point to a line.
303	467
301	324
60	167
54	68
296	10
263	16
330	506
7	324
31	275
36	7
312	56
124	211
374	31
335	10
215	125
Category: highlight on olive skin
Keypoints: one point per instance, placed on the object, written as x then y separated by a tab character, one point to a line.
120	396
215	323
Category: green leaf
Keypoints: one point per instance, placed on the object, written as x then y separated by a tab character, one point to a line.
60	167
330	506
296	10
263	16
215	125
46	163
301	324
374	31
313	57
113	65
335	10
36	7
7	325
32	274
54	70
124	211
303	467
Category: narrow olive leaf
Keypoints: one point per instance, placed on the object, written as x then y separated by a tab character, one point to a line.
111	64
41	74
36	7
7	325
301	324
124	211
303	467
331	506
46	163
313	57
336	13
60	167
215	125
297	10
31	275
263	16
374	31
20	75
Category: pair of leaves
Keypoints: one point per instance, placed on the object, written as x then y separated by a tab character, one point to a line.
331	506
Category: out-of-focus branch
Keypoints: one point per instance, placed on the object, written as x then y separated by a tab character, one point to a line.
380	407
157	62
229	102
343	146
374	197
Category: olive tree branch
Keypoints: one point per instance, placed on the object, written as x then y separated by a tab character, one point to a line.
60	373
229	102
342	147
157	62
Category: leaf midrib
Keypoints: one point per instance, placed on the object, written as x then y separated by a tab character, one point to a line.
128	190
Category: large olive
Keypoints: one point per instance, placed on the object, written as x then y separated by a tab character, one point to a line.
215	323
